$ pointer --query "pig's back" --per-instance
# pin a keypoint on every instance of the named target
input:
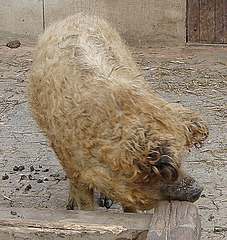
(79, 80)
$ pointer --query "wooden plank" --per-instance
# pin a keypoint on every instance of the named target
(175, 221)
(193, 21)
(47, 224)
(171, 220)
(207, 21)
(221, 21)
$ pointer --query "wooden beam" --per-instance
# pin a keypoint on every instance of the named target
(175, 221)
(207, 21)
(36, 224)
(193, 21)
(172, 221)
(220, 21)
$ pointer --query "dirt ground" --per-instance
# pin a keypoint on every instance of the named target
(195, 76)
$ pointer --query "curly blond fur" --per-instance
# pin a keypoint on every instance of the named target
(108, 129)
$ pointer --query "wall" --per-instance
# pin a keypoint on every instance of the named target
(140, 21)
(20, 19)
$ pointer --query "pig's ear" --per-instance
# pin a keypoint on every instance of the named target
(159, 162)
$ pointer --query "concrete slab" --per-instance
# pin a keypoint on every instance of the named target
(22, 20)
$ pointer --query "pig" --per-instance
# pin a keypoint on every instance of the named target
(109, 130)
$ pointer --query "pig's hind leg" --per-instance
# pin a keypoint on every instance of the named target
(128, 209)
(81, 196)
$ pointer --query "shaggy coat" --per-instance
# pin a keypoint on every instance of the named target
(108, 129)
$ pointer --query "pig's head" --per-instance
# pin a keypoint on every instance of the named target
(166, 181)
(160, 176)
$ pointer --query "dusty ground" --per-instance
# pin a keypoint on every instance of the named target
(194, 76)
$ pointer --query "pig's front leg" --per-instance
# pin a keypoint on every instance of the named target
(72, 204)
(104, 201)
(81, 196)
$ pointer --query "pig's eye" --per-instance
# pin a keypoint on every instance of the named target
(160, 162)
(163, 163)
(165, 168)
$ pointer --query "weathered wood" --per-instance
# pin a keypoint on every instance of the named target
(207, 21)
(172, 221)
(51, 224)
(193, 21)
(175, 221)
(221, 21)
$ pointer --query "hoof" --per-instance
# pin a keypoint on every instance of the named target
(105, 202)
(108, 202)
(72, 208)
(69, 208)
(101, 202)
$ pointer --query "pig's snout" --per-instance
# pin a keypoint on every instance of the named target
(185, 189)
(195, 193)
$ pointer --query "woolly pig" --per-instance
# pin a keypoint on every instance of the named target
(106, 126)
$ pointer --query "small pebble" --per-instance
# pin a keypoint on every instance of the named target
(23, 177)
(203, 195)
(13, 213)
(37, 171)
(21, 168)
(28, 187)
(13, 44)
(211, 218)
(30, 177)
(40, 166)
(5, 177)
(32, 168)
(54, 175)
(46, 170)
(16, 168)
(220, 229)
(39, 181)
(46, 179)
